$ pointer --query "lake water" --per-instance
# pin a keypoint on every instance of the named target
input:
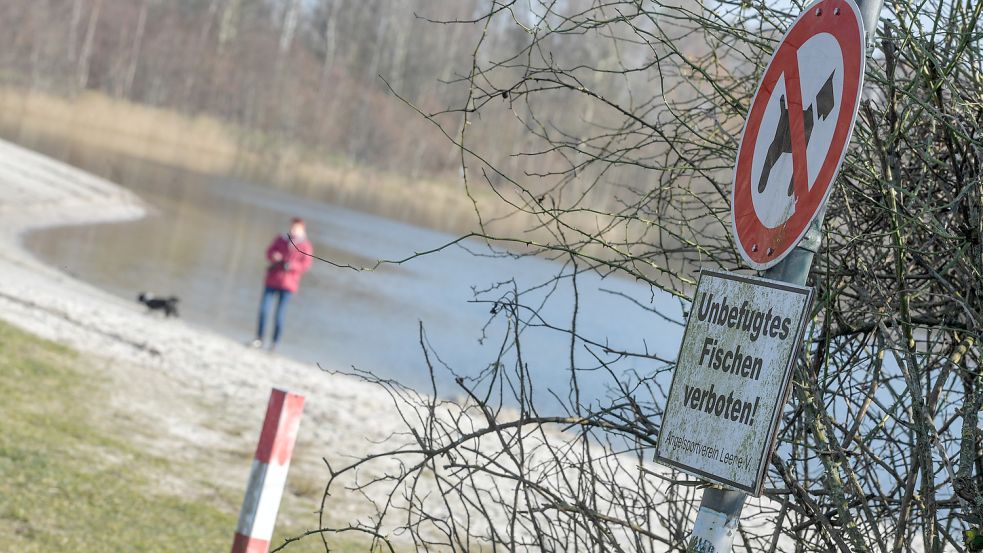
(205, 239)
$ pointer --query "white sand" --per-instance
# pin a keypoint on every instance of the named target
(177, 390)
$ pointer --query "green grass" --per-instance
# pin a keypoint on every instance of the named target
(68, 485)
(69, 481)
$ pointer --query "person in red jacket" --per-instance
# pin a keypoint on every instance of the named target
(289, 256)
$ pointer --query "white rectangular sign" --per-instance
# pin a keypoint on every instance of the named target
(732, 378)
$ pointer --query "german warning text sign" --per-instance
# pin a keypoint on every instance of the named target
(732, 378)
(797, 130)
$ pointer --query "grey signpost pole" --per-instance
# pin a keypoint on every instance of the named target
(721, 505)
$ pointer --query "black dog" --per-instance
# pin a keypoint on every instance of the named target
(167, 305)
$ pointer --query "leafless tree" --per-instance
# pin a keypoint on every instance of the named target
(90, 34)
(631, 112)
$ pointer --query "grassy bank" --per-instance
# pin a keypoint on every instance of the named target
(70, 129)
(99, 133)
(70, 480)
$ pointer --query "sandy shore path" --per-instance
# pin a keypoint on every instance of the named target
(182, 391)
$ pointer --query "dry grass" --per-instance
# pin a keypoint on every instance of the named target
(208, 145)
(201, 144)
(98, 124)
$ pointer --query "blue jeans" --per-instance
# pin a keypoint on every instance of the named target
(282, 296)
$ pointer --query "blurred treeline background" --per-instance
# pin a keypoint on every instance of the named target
(291, 92)
(303, 94)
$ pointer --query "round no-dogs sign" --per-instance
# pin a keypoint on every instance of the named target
(797, 131)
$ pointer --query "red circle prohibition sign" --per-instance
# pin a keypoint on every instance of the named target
(762, 245)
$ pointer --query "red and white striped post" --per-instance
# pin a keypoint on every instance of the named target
(269, 473)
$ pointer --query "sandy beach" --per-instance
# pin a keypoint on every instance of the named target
(178, 390)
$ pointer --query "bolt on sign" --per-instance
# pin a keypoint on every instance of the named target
(732, 378)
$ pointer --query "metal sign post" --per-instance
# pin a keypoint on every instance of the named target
(720, 508)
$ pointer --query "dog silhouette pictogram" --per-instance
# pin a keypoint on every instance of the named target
(782, 141)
